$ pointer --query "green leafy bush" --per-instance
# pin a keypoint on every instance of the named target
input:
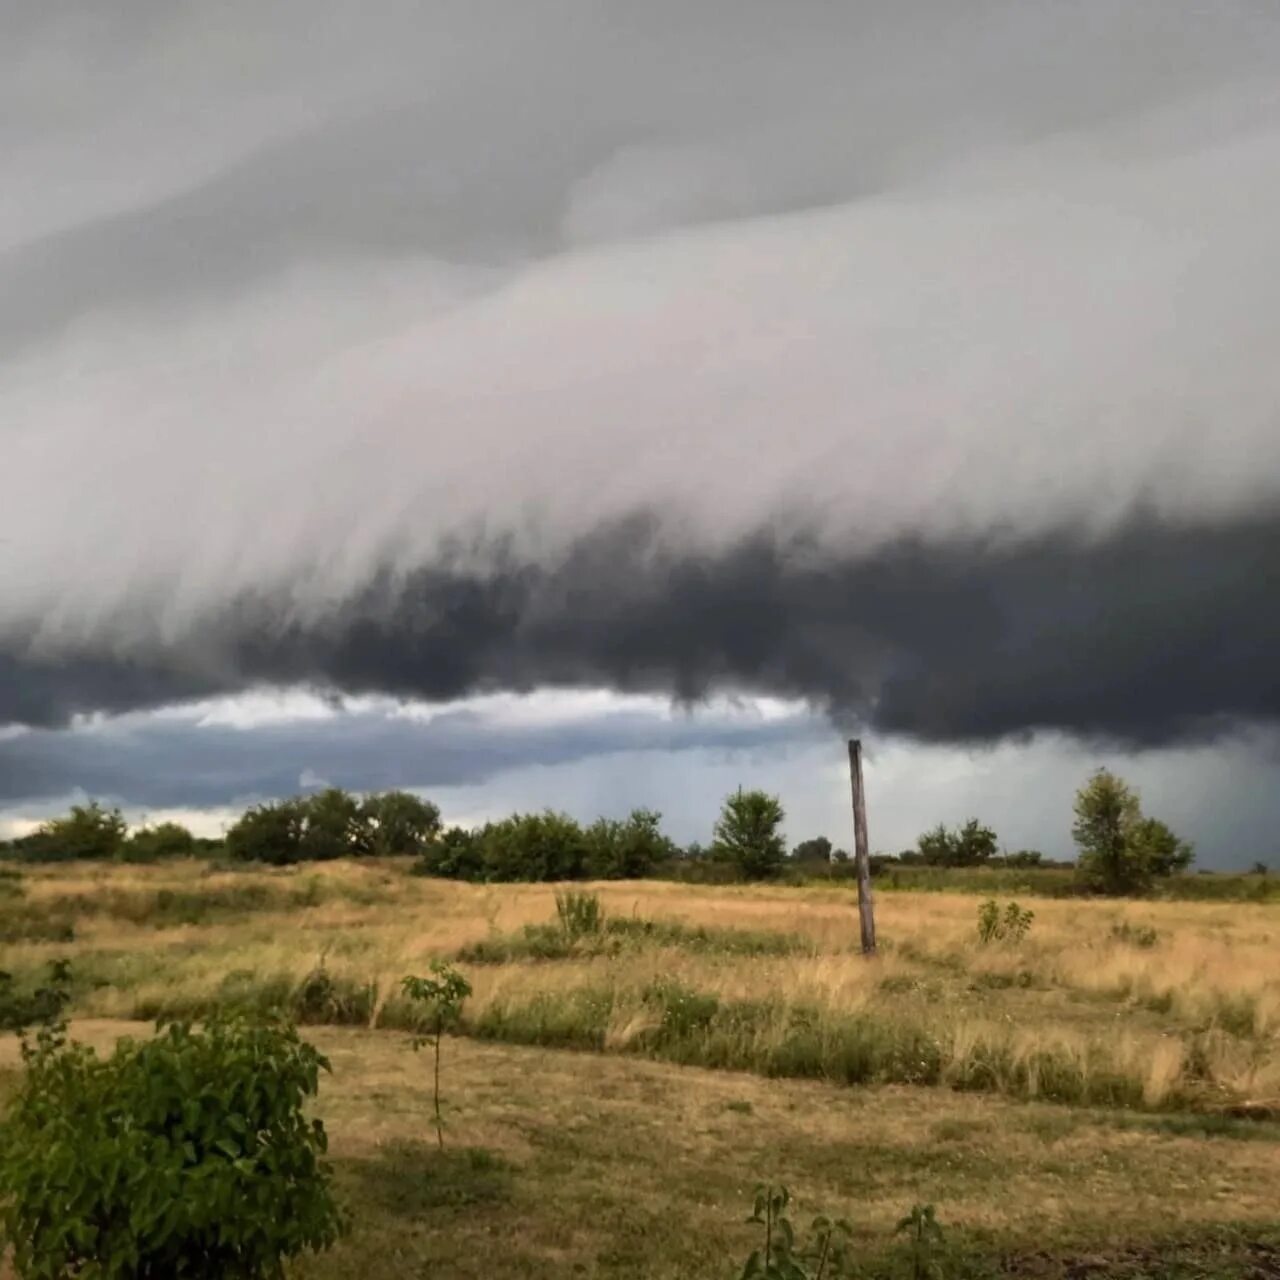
(1010, 925)
(184, 1155)
(398, 822)
(627, 850)
(20, 1010)
(534, 846)
(969, 846)
(165, 840)
(926, 1242)
(88, 831)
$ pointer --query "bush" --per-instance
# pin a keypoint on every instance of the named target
(580, 914)
(270, 833)
(456, 854)
(967, 846)
(88, 831)
(1011, 925)
(165, 840)
(536, 846)
(627, 850)
(184, 1155)
(749, 834)
(397, 822)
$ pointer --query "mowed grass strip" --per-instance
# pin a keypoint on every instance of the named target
(617, 1167)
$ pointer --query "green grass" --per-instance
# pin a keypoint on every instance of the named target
(619, 933)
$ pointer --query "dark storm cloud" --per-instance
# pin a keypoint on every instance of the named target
(172, 762)
(1152, 635)
(341, 344)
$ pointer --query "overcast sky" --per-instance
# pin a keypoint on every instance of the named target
(596, 404)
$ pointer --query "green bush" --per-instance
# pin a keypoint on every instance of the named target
(535, 846)
(456, 855)
(969, 846)
(627, 850)
(165, 840)
(399, 823)
(1010, 925)
(187, 1155)
(88, 831)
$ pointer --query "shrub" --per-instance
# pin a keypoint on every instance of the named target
(270, 833)
(456, 854)
(536, 846)
(1134, 935)
(1011, 925)
(580, 914)
(184, 1155)
(399, 823)
(165, 840)
(627, 850)
(88, 831)
(43, 1006)
(967, 846)
(749, 834)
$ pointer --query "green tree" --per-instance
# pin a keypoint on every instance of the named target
(164, 840)
(456, 854)
(270, 833)
(968, 846)
(627, 850)
(1106, 812)
(185, 1154)
(399, 822)
(749, 834)
(1121, 850)
(88, 831)
(816, 850)
(1161, 849)
(534, 846)
(334, 826)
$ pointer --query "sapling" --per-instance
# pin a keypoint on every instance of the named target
(443, 993)
(825, 1255)
(925, 1241)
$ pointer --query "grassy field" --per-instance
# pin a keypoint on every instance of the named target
(1108, 1088)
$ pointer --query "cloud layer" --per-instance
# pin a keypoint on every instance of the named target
(916, 361)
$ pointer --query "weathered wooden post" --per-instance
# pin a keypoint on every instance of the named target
(861, 854)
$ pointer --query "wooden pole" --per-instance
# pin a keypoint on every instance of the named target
(861, 854)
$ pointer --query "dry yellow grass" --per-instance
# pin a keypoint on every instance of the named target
(1073, 987)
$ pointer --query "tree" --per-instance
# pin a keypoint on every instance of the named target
(334, 826)
(748, 834)
(88, 831)
(270, 833)
(627, 850)
(1120, 849)
(535, 846)
(968, 846)
(1160, 848)
(456, 855)
(816, 850)
(164, 840)
(400, 823)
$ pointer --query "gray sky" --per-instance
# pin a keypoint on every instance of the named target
(912, 363)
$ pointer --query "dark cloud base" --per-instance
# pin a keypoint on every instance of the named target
(1154, 635)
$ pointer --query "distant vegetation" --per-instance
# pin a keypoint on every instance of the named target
(1122, 850)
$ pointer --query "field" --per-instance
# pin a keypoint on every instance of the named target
(1103, 1093)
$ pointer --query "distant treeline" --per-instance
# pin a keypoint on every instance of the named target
(1122, 850)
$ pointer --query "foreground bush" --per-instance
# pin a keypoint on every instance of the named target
(187, 1155)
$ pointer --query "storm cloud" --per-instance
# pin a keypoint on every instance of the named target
(913, 360)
